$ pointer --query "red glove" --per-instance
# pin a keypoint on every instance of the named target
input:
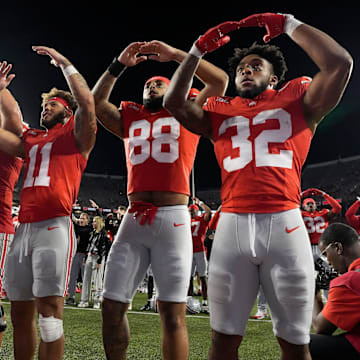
(215, 37)
(273, 23)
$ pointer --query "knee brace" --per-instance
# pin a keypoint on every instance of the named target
(51, 329)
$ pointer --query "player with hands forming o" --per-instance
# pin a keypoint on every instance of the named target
(335, 206)
(159, 156)
(214, 38)
(43, 246)
(316, 221)
(261, 140)
(160, 51)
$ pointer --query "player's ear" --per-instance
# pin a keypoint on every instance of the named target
(274, 80)
(68, 113)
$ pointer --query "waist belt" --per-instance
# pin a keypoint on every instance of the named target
(146, 210)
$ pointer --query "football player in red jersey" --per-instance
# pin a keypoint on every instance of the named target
(316, 221)
(38, 263)
(199, 226)
(10, 167)
(261, 140)
(156, 228)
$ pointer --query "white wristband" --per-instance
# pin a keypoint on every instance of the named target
(196, 52)
(291, 24)
(69, 70)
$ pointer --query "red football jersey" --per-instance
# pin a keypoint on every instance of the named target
(53, 169)
(10, 168)
(198, 230)
(160, 152)
(316, 222)
(261, 145)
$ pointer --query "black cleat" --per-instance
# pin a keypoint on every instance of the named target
(146, 307)
(70, 301)
(3, 324)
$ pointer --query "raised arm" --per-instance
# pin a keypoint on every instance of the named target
(205, 207)
(215, 80)
(334, 62)
(85, 119)
(11, 144)
(191, 115)
(106, 112)
(335, 67)
(351, 217)
(10, 116)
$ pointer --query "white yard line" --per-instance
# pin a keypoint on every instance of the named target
(140, 312)
(153, 313)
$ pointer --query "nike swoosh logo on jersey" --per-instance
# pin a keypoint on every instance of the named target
(291, 230)
(176, 225)
(52, 227)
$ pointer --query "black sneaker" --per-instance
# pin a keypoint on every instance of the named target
(146, 307)
(3, 324)
(70, 301)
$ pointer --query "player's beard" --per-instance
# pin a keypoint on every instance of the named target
(56, 119)
(154, 104)
(253, 92)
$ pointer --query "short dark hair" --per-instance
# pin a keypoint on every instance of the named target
(66, 95)
(339, 232)
(271, 53)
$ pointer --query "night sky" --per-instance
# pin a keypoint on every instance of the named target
(91, 36)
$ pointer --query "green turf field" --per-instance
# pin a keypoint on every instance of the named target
(82, 329)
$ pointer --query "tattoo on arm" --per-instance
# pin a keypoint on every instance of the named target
(81, 80)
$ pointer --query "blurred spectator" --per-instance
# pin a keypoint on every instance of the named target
(199, 226)
(150, 289)
(95, 261)
(82, 232)
(121, 210)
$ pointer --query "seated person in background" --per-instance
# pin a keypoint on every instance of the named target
(341, 246)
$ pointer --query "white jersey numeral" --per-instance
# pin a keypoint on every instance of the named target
(315, 225)
(158, 140)
(195, 226)
(260, 144)
(43, 178)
